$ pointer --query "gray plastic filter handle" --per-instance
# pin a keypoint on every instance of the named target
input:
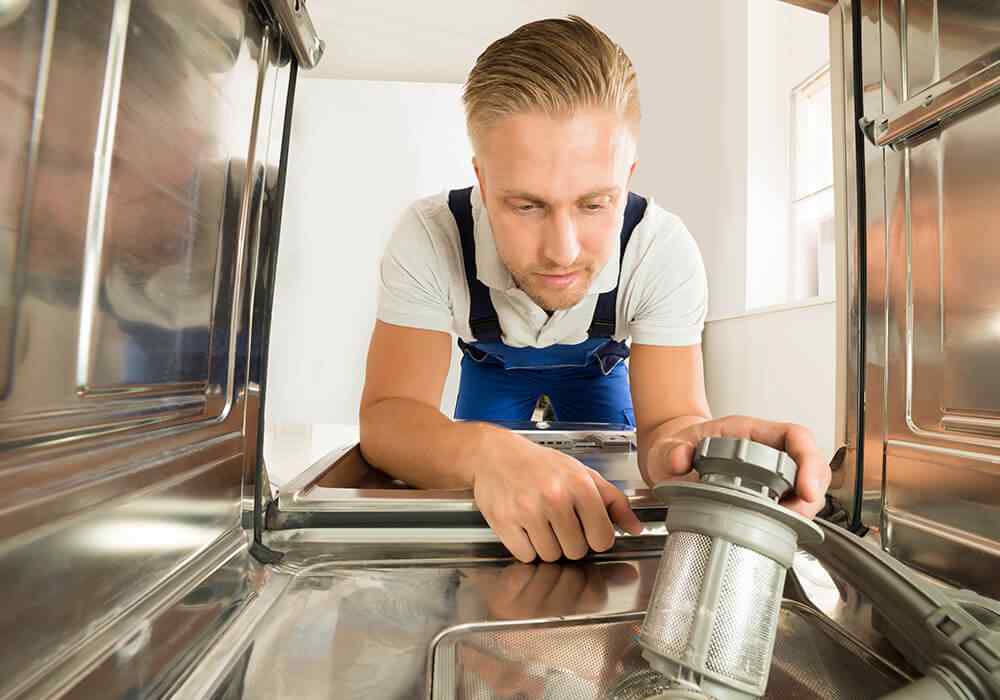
(747, 463)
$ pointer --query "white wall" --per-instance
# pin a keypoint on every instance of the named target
(434, 41)
(692, 155)
(360, 153)
(785, 45)
(714, 79)
(779, 365)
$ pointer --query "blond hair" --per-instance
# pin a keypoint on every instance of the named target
(552, 66)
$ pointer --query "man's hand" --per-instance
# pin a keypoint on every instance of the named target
(671, 456)
(544, 503)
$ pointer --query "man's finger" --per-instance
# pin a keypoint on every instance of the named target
(616, 504)
(593, 516)
(569, 531)
(543, 540)
(813, 477)
(807, 508)
(514, 539)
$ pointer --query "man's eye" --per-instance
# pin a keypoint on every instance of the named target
(526, 207)
(593, 207)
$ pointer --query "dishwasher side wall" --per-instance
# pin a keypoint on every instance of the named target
(137, 149)
(932, 399)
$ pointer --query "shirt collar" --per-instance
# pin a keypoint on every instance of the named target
(492, 272)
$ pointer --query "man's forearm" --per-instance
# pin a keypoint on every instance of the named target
(658, 438)
(418, 444)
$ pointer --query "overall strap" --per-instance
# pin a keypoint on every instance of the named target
(603, 323)
(483, 320)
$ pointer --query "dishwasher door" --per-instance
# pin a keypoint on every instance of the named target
(932, 400)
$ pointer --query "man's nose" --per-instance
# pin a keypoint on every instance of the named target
(561, 243)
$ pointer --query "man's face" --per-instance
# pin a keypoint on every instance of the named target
(555, 190)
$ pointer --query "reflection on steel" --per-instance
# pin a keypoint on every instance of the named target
(11, 11)
(398, 629)
(932, 392)
(872, 295)
(971, 86)
(972, 424)
(12, 292)
(203, 597)
(297, 27)
(845, 418)
(120, 520)
(100, 181)
(846, 429)
(168, 229)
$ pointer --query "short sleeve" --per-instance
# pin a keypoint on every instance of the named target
(413, 284)
(671, 290)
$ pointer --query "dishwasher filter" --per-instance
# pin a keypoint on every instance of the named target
(713, 613)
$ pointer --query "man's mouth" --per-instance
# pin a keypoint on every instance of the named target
(559, 280)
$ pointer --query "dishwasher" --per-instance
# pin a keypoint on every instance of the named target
(146, 553)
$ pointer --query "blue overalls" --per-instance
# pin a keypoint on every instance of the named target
(587, 382)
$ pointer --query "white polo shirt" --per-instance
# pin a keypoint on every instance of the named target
(662, 297)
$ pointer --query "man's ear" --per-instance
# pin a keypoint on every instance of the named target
(631, 171)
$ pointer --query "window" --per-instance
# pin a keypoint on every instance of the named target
(812, 232)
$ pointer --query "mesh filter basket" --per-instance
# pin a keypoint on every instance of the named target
(738, 592)
(714, 608)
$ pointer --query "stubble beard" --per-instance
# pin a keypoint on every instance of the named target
(554, 299)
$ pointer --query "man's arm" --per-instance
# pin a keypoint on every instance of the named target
(668, 393)
(671, 408)
(402, 429)
(537, 500)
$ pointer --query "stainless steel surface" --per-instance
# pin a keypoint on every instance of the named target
(136, 141)
(147, 649)
(951, 55)
(880, 189)
(298, 29)
(858, 473)
(389, 628)
(547, 659)
(969, 87)
(140, 144)
(350, 621)
(847, 430)
(11, 10)
(343, 482)
(932, 296)
(813, 659)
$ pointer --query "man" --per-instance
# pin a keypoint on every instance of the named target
(544, 270)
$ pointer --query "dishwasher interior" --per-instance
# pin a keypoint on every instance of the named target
(145, 552)
(415, 577)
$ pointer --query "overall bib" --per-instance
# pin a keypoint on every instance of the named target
(587, 382)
